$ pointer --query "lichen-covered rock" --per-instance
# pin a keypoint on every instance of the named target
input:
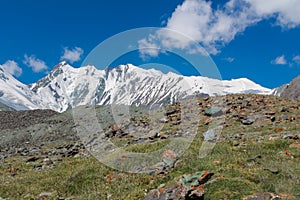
(214, 111)
(187, 187)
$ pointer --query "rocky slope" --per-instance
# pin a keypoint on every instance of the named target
(256, 155)
(292, 90)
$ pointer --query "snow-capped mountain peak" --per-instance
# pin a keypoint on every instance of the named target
(17, 95)
(66, 87)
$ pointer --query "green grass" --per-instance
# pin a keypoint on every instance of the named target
(86, 178)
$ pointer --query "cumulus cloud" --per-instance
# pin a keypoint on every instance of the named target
(12, 67)
(286, 12)
(280, 60)
(296, 59)
(214, 28)
(72, 55)
(34, 63)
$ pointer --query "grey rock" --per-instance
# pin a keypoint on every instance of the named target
(47, 161)
(254, 158)
(210, 135)
(214, 111)
(32, 159)
(153, 134)
(163, 120)
(250, 119)
(273, 170)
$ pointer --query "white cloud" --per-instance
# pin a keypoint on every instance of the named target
(286, 12)
(72, 55)
(148, 48)
(280, 60)
(214, 28)
(296, 59)
(229, 59)
(12, 67)
(34, 63)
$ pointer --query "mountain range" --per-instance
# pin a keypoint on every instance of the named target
(66, 87)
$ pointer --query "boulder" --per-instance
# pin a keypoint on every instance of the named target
(250, 119)
(188, 187)
(214, 111)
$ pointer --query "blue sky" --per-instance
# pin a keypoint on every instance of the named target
(245, 38)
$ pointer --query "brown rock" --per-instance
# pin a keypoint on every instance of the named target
(190, 187)
(295, 145)
(263, 196)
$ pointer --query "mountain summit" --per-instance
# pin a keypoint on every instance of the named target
(65, 87)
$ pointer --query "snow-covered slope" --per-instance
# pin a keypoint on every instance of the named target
(67, 87)
(17, 95)
(279, 90)
(4, 107)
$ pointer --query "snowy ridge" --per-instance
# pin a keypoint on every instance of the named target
(67, 87)
(17, 95)
(279, 90)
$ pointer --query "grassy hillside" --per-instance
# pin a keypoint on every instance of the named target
(257, 151)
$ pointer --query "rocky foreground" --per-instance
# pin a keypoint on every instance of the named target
(254, 156)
